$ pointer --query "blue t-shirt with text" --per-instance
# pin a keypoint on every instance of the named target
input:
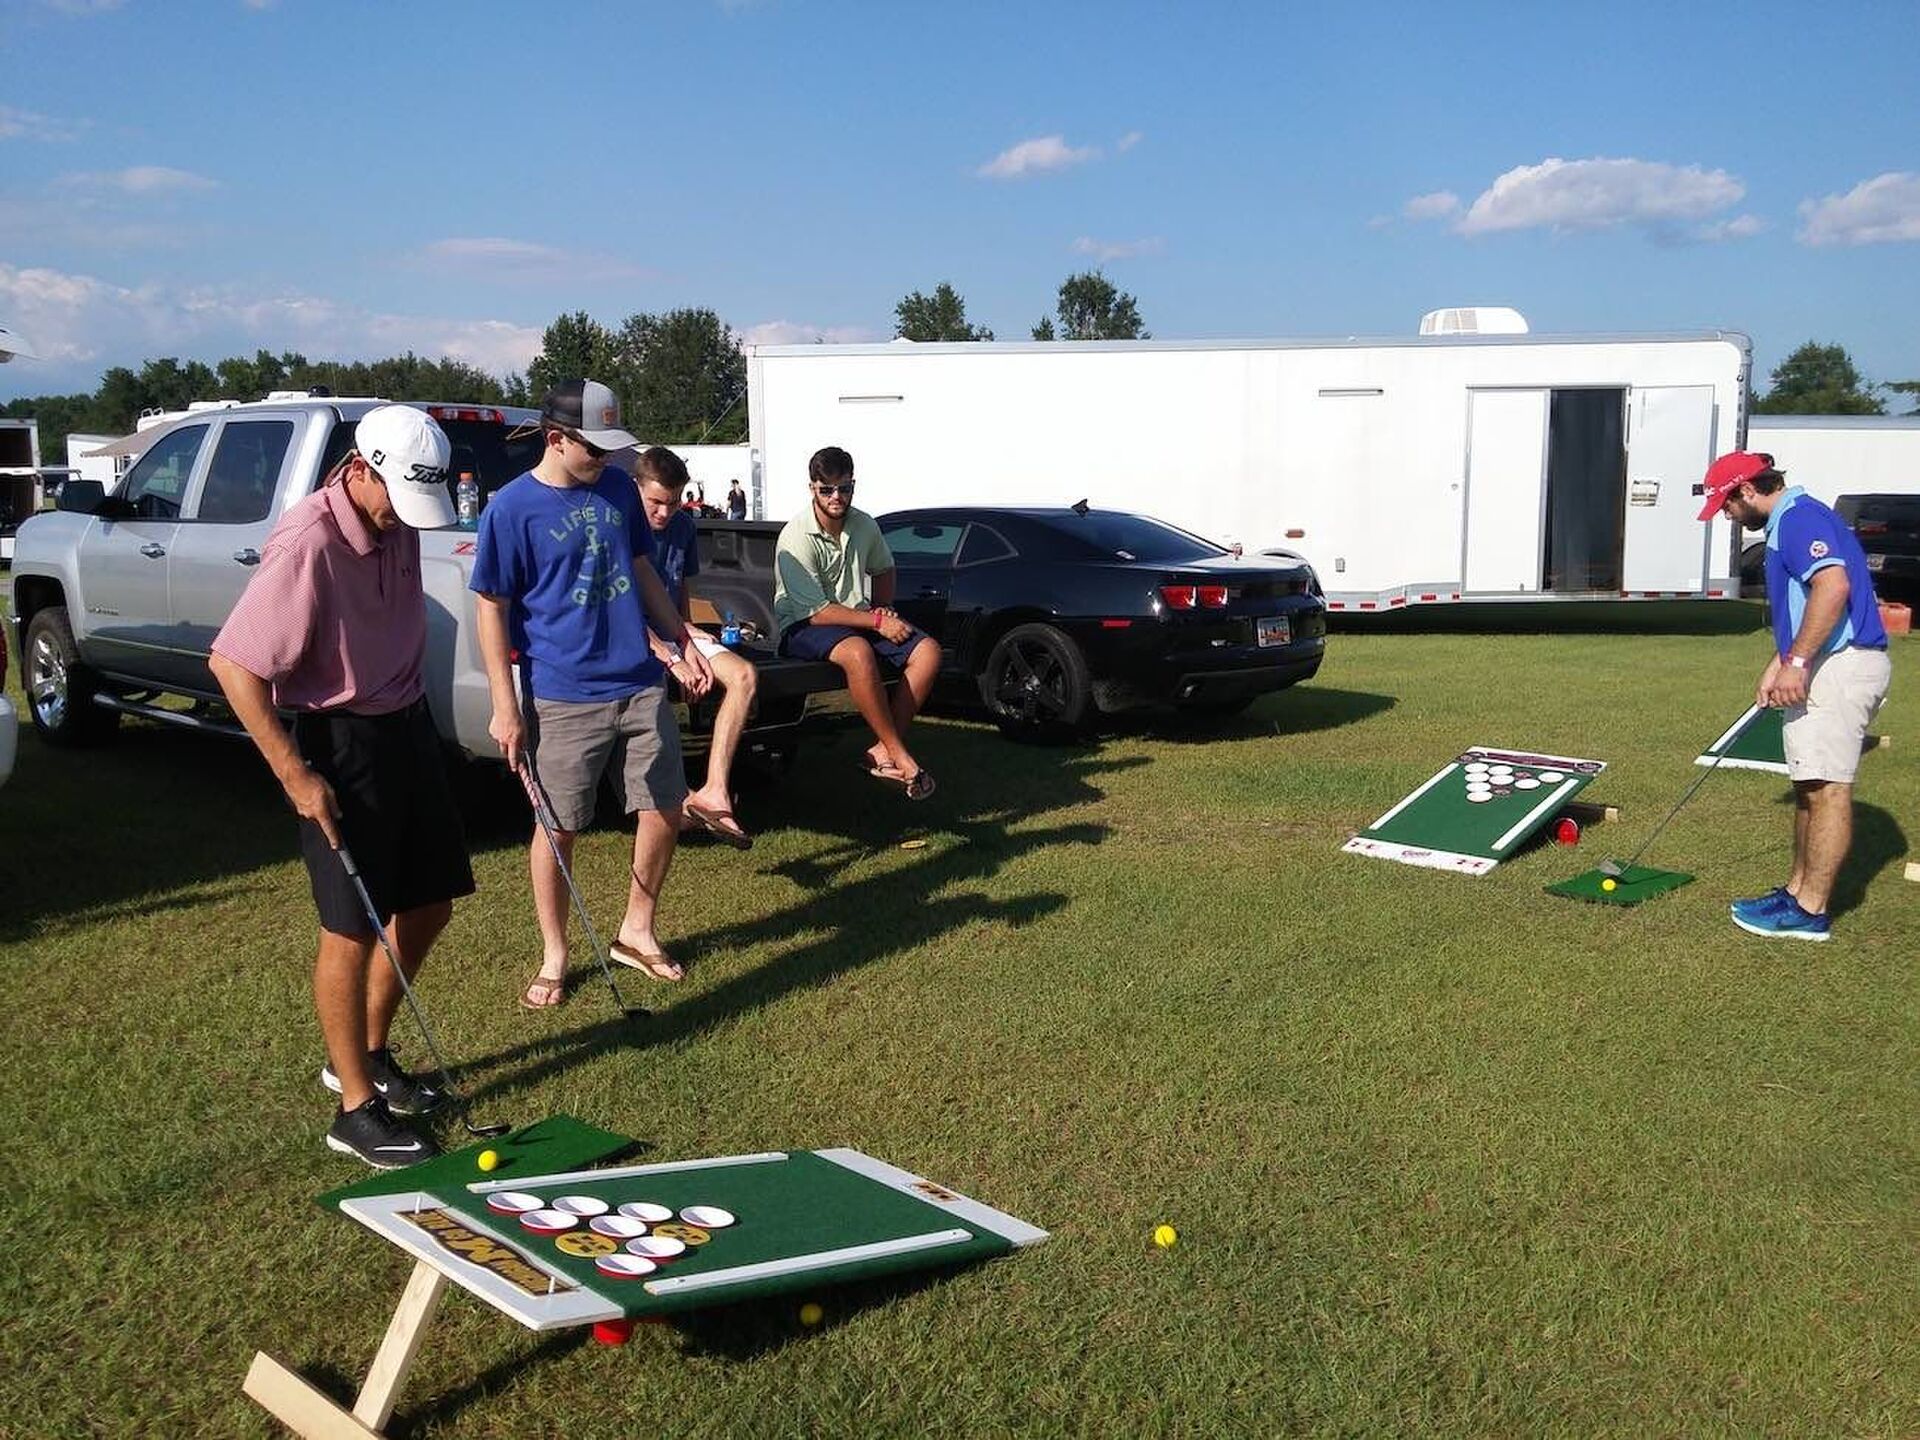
(564, 557)
(676, 551)
(1804, 537)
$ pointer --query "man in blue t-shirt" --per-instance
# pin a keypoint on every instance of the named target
(662, 477)
(564, 582)
(1829, 673)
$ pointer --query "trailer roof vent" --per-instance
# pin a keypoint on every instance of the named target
(1474, 320)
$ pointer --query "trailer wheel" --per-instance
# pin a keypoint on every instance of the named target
(59, 685)
(1036, 684)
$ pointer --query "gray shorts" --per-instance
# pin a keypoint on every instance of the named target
(1823, 737)
(634, 741)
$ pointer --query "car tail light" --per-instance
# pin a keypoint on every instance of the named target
(468, 412)
(1180, 597)
(1871, 527)
(1213, 597)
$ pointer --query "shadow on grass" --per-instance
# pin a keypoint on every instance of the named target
(1878, 842)
(1568, 617)
(1297, 710)
(850, 920)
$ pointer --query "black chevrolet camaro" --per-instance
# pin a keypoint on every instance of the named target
(1051, 615)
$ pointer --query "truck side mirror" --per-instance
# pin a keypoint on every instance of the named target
(80, 497)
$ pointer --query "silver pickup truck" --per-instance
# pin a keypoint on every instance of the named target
(117, 597)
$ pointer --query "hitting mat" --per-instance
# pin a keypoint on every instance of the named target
(1637, 883)
(1479, 810)
(546, 1147)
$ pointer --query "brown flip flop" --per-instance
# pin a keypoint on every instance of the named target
(546, 985)
(657, 965)
(721, 824)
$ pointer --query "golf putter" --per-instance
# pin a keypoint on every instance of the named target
(543, 812)
(1614, 869)
(454, 1098)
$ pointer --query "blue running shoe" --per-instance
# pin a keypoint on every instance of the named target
(1787, 921)
(1760, 904)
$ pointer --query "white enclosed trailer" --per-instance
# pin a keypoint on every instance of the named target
(1408, 470)
(1835, 455)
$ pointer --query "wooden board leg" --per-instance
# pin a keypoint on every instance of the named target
(313, 1414)
(309, 1413)
(1913, 870)
(395, 1357)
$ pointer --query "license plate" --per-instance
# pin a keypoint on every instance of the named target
(1874, 562)
(1274, 630)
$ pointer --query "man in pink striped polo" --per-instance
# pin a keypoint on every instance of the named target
(333, 627)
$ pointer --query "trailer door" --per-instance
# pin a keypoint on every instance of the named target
(1669, 446)
(1506, 473)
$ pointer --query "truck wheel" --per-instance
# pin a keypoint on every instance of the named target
(1036, 684)
(59, 685)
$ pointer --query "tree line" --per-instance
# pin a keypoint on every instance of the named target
(682, 377)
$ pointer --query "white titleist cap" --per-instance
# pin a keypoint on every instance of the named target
(410, 452)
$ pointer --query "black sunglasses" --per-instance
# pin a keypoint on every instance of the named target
(587, 445)
(846, 489)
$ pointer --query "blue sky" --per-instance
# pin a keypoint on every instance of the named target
(203, 177)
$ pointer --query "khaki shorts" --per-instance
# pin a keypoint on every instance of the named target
(634, 741)
(1824, 736)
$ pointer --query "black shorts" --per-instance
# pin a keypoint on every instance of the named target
(397, 816)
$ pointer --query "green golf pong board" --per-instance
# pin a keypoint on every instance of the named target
(1753, 742)
(804, 1219)
(1477, 811)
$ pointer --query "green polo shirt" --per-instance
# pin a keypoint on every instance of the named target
(812, 569)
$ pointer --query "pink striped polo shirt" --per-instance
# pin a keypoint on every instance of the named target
(335, 617)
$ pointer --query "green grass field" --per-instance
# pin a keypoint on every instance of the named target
(1446, 1155)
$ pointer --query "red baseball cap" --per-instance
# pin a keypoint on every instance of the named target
(1728, 474)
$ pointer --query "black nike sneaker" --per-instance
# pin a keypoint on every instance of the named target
(370, 1133)
(405, 1094)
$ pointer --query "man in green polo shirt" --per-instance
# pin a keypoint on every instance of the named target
(833, 584)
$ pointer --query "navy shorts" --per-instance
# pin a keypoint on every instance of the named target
(397, 816)
(816, 642)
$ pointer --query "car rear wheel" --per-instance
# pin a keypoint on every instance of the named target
(1036, 684)
(59, 685)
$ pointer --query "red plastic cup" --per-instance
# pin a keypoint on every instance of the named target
(613, 1332)
(1567, 832)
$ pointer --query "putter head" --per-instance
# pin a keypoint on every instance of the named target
(487, 1132)
(1612, 868)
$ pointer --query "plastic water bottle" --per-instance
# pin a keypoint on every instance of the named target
(466, 499)
(730, 632)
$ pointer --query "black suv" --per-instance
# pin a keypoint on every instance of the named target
(1889, 531)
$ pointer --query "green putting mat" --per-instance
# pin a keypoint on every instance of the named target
(1638, 883)
(545, 1147)
(1478, 810)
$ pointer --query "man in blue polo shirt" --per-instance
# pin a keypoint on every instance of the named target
(1829, 673)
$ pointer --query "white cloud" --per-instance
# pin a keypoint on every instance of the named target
(1435, 206)
(18, 124)
(504, 258)
(1740, 227)
(1127, 141)
(81, 318)
(788, 332)
(1600, 194)
(140, 180)
(1875, 212)
(1037, 156)
(1105, 250)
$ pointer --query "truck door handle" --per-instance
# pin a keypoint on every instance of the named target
(930, 592)
(153, 551)
(248, 556)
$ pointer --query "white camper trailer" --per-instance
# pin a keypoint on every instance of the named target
(1409, 470)
(1835, 455)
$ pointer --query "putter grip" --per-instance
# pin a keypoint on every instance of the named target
(346, 861)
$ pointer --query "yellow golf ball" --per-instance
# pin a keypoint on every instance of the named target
(811, 1314)
(1609, 884)
(488, 1159)
(1164, 1236)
